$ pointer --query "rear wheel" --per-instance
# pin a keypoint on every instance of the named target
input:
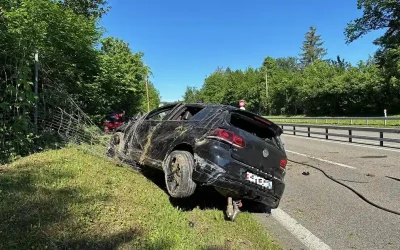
(178, 169)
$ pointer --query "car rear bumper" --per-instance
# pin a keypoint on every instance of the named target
(215, 167)
(239, 190)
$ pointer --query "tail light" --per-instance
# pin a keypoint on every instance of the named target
(283, 163)
(227, 136)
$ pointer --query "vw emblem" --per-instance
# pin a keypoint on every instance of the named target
(265, 153)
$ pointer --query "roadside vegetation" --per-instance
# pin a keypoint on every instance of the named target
(312, 84)
(66, 199)
(76, 62)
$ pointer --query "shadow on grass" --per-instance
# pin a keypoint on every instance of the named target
(38, 212)
(108, 242)
(203, 198)
(115, 241)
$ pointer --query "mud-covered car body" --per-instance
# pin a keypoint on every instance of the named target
(237, 152)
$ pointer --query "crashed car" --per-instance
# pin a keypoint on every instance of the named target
(237, 152)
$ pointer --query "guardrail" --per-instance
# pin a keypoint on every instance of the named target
(379, 131)
(317, 120)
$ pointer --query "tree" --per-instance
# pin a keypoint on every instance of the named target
(339, 63)
(120, 84)
(332, 87)
(88, 8)
(66, 34)
(192, 95)
(377, 15)
(154, 98)
(269, 65)
(312, 48)
(68, 60)
(288, 63)
(215, 86)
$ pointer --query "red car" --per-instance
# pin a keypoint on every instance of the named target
(110, 126)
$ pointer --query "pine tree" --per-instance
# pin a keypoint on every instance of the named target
(312, 48)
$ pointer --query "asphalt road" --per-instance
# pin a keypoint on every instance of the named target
(318, 213)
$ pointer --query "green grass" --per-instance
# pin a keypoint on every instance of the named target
(66, 199)
(347, 122)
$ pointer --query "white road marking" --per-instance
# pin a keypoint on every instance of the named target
(320, 159)
(344, 143)
(301, 233)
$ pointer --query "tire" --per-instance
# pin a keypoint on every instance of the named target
(116, 146)
(178, 169)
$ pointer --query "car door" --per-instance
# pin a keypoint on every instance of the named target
(146, 131)
(173, 131)
(165, 133)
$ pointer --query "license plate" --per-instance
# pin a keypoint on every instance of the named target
(258, 180)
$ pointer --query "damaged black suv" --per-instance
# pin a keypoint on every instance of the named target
(237, 152)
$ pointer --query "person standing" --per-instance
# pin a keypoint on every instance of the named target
(112, 117)
(242, 104)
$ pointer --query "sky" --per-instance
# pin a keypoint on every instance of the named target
(185, 41)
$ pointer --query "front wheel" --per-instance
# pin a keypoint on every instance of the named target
(178, 169)
(116, 145)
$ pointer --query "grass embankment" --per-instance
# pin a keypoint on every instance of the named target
(346, 122)
(67, 199)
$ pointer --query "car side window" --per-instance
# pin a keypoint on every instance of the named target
(187, 114)
(159, 114)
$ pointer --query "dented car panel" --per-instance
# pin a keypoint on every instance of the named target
(227, 145)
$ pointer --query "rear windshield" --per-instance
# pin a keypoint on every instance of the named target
(255, 127)
(252, 126)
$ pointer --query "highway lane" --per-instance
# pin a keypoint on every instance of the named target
(366, 159)
(331, 212)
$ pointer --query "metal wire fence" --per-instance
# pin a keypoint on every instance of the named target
(60, 121)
